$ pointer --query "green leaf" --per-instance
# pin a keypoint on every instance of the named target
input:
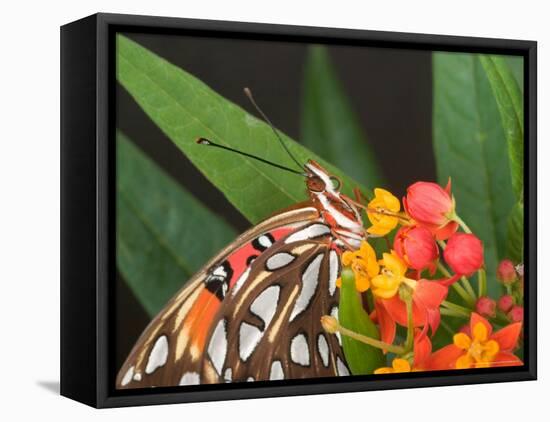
(329, 125)
(516, 66)
(164, 235)
(470, 148)
(361, 358)
(510, 105)
(186, 109)
(515, 233)
(504, 75)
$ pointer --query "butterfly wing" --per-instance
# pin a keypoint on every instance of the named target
(174, 342)
(270, 329)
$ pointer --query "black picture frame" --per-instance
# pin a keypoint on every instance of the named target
(88, 209)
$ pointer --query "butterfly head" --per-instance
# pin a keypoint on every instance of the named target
(318, 180)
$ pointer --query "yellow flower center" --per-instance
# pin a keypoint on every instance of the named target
(386, 284)
(382, 212)
(399, 365)
(479, 350)
(363, 264)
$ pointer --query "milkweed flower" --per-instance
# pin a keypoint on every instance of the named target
(505, 303)
(464, 253)
(432, 207)
(515, 314)
(382, 211)
(506, 272)
(480, 349)
(416, 246)
(486, 307)
(391, 309)
(421, 353)
(364, 265)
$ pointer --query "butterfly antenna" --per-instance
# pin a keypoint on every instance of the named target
(248, 93)
(204, 141)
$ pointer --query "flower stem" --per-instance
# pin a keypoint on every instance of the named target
(409, 342)
(462, 224)
(451, 313)
(469, 288)
(371, 341)
(457, 308)
(482, 282)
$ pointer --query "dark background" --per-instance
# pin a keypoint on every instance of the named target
(390, 90)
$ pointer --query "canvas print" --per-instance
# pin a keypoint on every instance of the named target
(291, 211)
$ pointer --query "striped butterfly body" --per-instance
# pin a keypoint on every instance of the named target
(253, 312)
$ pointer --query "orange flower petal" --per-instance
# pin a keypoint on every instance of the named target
(445, 358)
(506, 359)
(464, 362)
(462, 341)
(507, 337)
(387, 324)
(475, 318)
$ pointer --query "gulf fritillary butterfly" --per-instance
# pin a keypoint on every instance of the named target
(253, 312)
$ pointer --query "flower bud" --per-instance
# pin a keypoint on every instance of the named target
(505, 303)
(330, 324)
(506, 272)
(466, 330)
(464, 253)
(486, 306)
(516, 314)
(416, 246)
(432, 207)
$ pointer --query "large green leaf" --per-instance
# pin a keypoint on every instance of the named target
(164, 235)
(329, 125)
(503, 74)
(361, 358)
(470, 147)
(510, 105)
(185, 109)
(515, 233)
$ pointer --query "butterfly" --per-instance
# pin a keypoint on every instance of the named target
(253, 311)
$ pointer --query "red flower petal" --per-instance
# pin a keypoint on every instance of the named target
(507, 337)
(387, 324)
(430, 294)
(506, 359)
(446, 231)
(397, 310)
(444, 358)
(422, 349)
(475, 318)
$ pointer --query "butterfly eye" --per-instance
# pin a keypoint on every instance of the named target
(315, 184)
(336, 182)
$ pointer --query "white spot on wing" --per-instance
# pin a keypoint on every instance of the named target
(334, 313)
(249, 337)
(343, 370)
(227, 376)
(310, 232)
(276, 372)
(158, 355)
(322, 346)
(250, 379)
(137, 377)
(265, 305)
(265, 241)
(190, 378)
(299, 350)
(217, 349)
(310, 279)
(279, 260)
(333, 271)
(127, 376)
